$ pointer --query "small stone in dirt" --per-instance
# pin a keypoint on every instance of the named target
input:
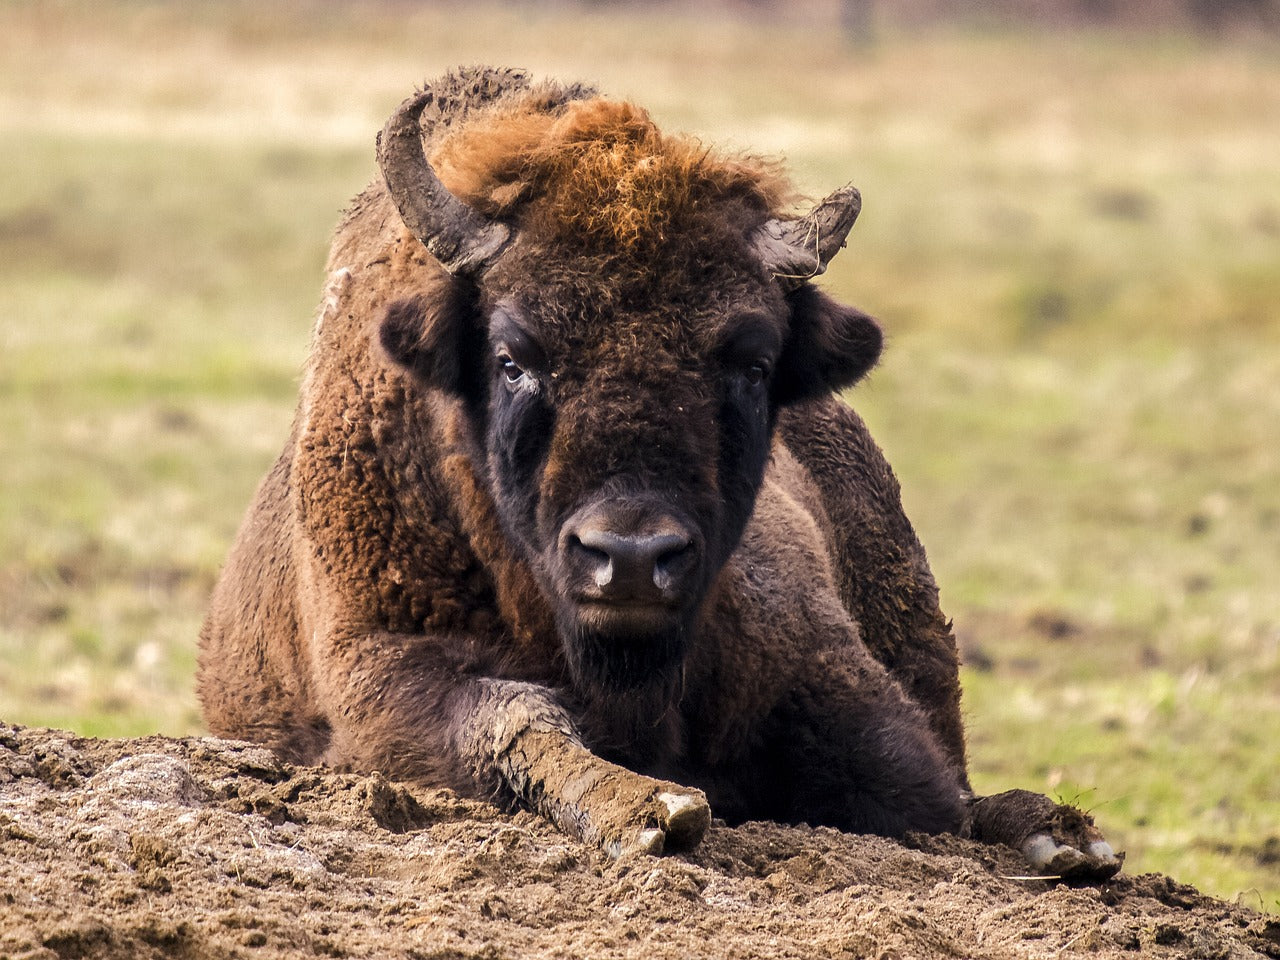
(148, 777)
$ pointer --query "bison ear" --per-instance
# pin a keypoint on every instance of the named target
(434, 336)
(830, 347)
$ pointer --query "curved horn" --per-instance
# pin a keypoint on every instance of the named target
(464, 242)
(798, 250)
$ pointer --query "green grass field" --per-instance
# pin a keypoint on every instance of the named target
(1073, 242)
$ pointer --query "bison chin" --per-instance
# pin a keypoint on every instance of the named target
(624, 653)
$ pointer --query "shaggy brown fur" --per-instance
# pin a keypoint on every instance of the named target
(421, 585)
(601, 171)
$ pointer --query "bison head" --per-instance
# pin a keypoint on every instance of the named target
(625, 316)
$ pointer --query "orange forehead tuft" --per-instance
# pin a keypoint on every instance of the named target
(599, 170)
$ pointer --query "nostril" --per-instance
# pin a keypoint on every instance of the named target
(673, 560)
(598, 561)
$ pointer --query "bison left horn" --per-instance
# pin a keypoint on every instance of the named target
(464, 241)
(798, 250)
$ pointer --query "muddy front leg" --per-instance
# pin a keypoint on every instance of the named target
(518, 730)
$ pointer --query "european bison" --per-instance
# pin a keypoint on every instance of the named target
(570, 515)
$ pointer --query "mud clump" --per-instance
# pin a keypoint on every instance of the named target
(198, 848)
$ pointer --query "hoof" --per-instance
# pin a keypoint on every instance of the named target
(682, 820)
(1095, 863)
(1057, 840)
(651, 841)
(687, 818)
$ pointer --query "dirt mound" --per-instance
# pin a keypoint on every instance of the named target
(208, 848)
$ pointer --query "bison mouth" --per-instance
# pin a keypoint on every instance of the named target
(625, 619)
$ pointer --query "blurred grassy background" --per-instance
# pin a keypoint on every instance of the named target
(1073, 240)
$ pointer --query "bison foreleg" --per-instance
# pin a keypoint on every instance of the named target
(519, 730)
(1057, 840)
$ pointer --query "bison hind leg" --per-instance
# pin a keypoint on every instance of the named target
(1057, 840)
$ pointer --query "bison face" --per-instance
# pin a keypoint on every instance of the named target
(624, 316)
(624, 435)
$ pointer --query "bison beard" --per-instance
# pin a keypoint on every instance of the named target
(612, 662)
(570, 340)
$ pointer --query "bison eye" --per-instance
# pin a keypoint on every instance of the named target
(510, 369)
(756, 372)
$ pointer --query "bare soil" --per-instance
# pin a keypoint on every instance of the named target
(207, 848)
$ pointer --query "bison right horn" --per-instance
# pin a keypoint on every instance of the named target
(798, 250)
(465, 242)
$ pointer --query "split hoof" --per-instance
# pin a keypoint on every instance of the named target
(686, 821)
(681, 822)
(1057, 840)
(651, 841)
(1097, 862)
